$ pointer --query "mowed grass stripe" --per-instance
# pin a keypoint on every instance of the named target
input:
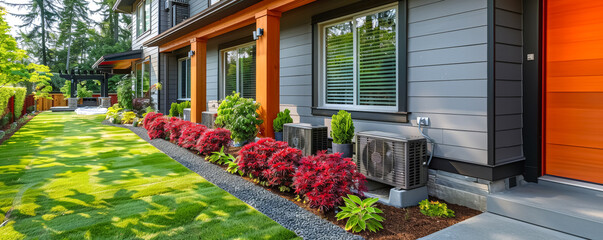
(66, 176)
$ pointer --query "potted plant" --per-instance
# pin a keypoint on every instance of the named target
(280, 120)
(342, 132)
(240, 116)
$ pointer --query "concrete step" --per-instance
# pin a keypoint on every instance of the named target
(572, 211)
(491, 226)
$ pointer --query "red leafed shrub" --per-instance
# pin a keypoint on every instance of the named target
(174, 128)
(253, 157)
(189, 135)
(281, 167)
(325, 179)
(157, 128)
(212, 141)
(146, 122)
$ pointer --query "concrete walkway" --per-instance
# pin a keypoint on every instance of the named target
(491, 226)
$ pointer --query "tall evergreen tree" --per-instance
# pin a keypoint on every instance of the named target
(41, 16)
(73, 17)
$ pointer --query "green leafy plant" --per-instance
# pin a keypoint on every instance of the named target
(125, 93)
(435, 209)
(174, 110)
(360, 214)
(128, 117)
(82, 90)
(280, 120)
(5, 94)
(114, 113)
(66, 89)
(233, 168)
(181, 106)
(220, 157)
(20, 94)
(240, 116)
(342, 128)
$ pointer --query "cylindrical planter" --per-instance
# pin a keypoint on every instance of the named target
(345, 149)
(278, 136)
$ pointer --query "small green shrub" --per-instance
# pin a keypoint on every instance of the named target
(240, 116)
(82, 90)
(360, 214)
(280, 120)
(435, 209)
(128, 117)
(125, 93)
(174, 110)
(31, 108)
(2, 133)
(220, 157)
(114, 114)
(66, 89)
(20, 94)
(342, 128)
(182, 106)
(5, 94)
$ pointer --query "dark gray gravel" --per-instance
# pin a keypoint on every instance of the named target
(305, 224)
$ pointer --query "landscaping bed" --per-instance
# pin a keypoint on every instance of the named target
(25, 120)
(405, 223)
(400, 223)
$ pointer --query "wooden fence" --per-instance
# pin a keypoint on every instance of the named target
(59, 100)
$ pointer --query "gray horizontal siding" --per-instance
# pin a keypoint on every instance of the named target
(137, 41)
(447, 75)
(197, 6)
(508, 80)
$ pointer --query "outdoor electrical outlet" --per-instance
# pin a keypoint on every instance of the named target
(423, 121)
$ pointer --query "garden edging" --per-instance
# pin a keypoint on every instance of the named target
(305, 224)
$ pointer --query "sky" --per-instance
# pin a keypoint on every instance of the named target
(14, 21)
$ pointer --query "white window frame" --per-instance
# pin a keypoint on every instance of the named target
(180, 60)
(140, 83)
(322, 59)
(142, 20)
(223, 65)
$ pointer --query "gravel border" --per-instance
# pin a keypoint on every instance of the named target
(305, 224)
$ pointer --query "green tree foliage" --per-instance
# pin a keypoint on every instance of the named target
(14, 69)
(41, 16)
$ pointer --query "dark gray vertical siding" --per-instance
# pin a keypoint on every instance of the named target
(508, 80)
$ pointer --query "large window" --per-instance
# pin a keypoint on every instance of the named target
(143, 78)
(184, 78)
(143, 17)
(239, 70)
(359, 56)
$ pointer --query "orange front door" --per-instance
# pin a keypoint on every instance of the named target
(574, 89)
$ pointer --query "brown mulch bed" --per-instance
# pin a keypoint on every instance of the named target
(400, 223)
(7, 136)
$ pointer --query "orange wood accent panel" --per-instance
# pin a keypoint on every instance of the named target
(267, 69)
(198, 78)
(574, 89)
(235, 21)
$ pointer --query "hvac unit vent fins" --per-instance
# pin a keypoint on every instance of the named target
(209, 119)
(306, 137)
(392, 159)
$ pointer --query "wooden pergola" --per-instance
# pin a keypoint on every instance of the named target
(77, 76)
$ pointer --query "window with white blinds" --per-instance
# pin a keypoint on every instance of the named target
(360, 61)
(239, 70)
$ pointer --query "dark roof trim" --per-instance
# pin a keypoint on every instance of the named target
(134, 54)
(124, 6)
(199, 20)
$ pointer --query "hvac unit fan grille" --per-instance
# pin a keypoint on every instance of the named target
(395, 161)
(305, 137)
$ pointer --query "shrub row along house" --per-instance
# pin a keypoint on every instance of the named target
(499, 80)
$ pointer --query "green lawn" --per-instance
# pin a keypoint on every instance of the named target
(67, 176)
